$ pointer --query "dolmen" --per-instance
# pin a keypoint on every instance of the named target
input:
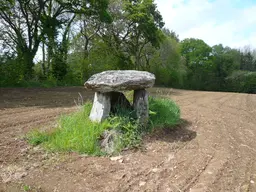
(108, 87)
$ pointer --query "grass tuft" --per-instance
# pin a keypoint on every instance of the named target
(75, 132)
(163, 112)
(36, 137)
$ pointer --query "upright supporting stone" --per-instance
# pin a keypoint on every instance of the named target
(140, 104)
(101, 106)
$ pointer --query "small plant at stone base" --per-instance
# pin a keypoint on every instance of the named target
(121, 130)
(26, 188)
(129, 131)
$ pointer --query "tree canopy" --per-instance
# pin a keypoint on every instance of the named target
(59, 42)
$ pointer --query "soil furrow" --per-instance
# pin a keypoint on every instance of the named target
(213, 150)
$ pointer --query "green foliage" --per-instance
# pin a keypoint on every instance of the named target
(241, 81)
(80, 38)
(248, 63)
(128, 127)
(164, 112)
(100, 58)
(226, 60)
(44, 22)
(136, 24)
(26, 188)
(36, 137)
(129, 96)
(199, 62)
(167, 65)
(144, 13)
(21, 36)
(59, 67)
(10, 71)
(76, 132)
(196, 52)
(171, 34)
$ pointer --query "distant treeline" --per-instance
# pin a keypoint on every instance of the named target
(75, 39)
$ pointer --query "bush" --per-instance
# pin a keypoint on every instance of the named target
(75, 132)
(242, 81)
(10, 72)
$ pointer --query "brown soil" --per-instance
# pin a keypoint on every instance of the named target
(214, 149)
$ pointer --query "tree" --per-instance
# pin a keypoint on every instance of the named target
(226, 60)
(20, 22)
(196, 51)
(247, 60)
(166, 63)
(171, 34)
(136, 23)
(199, 62)
(57, 20)
(47, 21)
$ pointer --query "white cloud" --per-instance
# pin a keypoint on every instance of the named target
(215, 22)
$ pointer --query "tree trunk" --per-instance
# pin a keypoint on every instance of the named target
(27, 61)
(137, 61)
(43, 62)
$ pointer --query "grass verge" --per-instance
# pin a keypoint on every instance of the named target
(75, 132)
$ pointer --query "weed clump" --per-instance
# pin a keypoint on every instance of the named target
(76, 133)
(163, 112)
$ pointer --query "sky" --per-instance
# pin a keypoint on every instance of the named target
(228, 22)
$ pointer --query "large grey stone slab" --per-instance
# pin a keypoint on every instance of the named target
(120, 80)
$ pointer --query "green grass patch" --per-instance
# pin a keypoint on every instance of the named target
(163, 112)
(75, 132)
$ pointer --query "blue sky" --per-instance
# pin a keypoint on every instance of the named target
(230, 22)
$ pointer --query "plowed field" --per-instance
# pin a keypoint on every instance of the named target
(214, 149)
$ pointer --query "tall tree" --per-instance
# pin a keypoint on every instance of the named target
(247, 60)
(20, 22)
(199, 62)
(57, 20)
(226, 60)
(167, 64)
(136, 23)
(171, 34)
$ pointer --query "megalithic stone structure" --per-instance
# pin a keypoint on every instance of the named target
(108, 85)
